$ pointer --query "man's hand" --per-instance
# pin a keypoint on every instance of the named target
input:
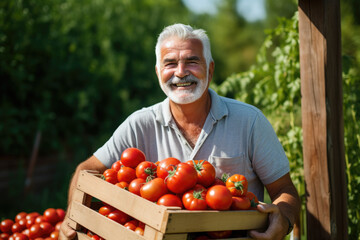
(278, 225)
(66, 232)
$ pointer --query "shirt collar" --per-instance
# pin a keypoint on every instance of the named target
(218, 109)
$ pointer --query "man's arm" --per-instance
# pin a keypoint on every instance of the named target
(285, 207)
(91, 163)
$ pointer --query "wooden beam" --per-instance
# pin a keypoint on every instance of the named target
(322, 118)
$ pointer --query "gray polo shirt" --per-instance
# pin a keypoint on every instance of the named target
(236, 138)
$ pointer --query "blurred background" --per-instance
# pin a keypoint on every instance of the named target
(72, 70)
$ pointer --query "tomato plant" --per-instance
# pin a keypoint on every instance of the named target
(110, 176)
(131, 157)
(170, 200)
(181, 178)
(205, 171)
(153, 189)
(126, 174)
(146, 170)
(165, 165)
(218, 197)
(237, 184)
(135, 185)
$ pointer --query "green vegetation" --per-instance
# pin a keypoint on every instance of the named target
(74, 69)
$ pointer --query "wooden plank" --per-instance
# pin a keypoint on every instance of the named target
(321, 89)
(202, 221)
(149, 213)
(99, 224)
(82, 236)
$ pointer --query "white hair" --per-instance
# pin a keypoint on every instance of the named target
(184, 32)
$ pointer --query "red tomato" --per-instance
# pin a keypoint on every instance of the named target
(106, 210)
(135, 185)
(6, 225)
(253, 200)
(165, 165)
(146, 169)
(131, 157)
(40, 219)
(139, 231)
(126, 174)
(26, 232)
(219, 234)
(61, 213)
(54, 234)
(51, 216)
(218, 181)
(153, 189)
(22, 222)
(17, 228)
(240, 203)
(119, 216)
(58, 225)
(47, 228)
(123, 185)
(35, 231)
(170, 200)
(205, 171)
(32, 215)
(202, 237)
(4, 236)
(182, 178)
(116, 165)
(20, 215)
(237, 184)
(194, 199)
(110, 176)
(218, 197)
(132, 224)
(18, 236)
(30, 222)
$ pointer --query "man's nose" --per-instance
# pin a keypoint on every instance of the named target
(181, 70)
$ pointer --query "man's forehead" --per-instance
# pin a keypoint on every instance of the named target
(184, 47)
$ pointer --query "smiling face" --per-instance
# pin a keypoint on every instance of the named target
(182, 73)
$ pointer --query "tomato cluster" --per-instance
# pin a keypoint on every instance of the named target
(190, 185)
(28, 226)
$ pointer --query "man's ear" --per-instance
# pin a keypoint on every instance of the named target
(157, 72)
(211, 70)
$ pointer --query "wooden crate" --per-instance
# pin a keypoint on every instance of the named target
(161, 223)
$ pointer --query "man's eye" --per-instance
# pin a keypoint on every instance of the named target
(170, 64)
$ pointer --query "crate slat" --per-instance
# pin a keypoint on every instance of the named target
(99, 224)
(201, 221)
(148, 212)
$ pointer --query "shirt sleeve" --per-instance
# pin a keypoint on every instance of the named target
(122, 138)
(266, 152)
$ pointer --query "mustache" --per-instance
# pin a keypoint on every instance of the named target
(176, 80)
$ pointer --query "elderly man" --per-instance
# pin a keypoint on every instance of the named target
(196, 123)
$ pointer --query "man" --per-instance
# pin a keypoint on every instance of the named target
(195, 123)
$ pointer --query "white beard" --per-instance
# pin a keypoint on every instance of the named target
(184, 95)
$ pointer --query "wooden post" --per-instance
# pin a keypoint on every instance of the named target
(322, 118)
